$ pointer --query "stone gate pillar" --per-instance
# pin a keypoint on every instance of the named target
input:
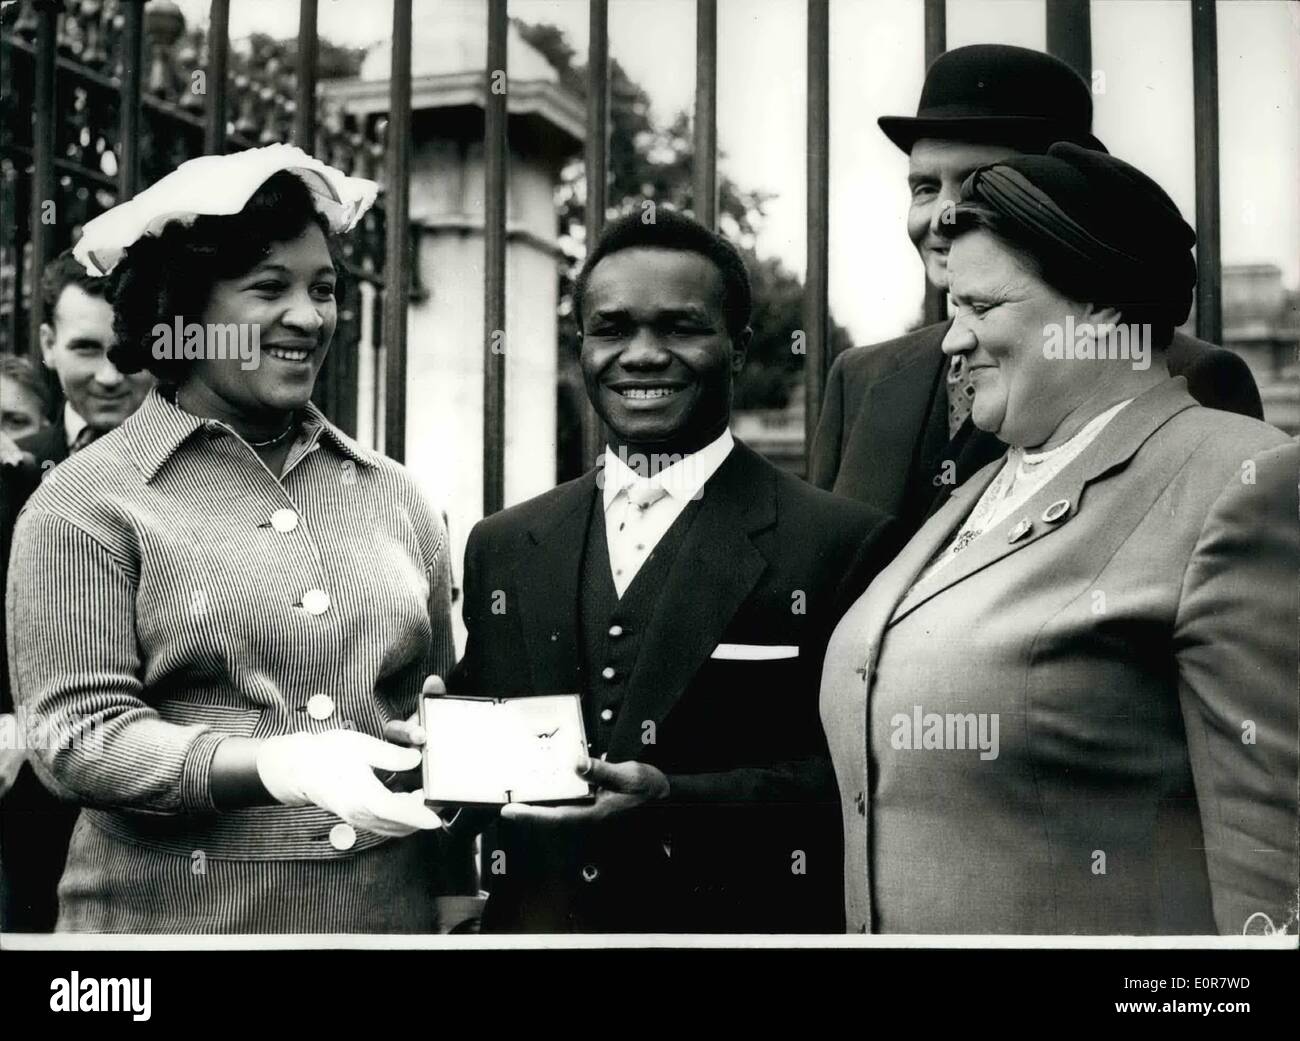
(444, 410)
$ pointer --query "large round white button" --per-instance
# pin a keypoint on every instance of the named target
(607, 714)
(343, 836)
(320, 706)
(608, 672)
(284, 521)
(316, 601)
(616, 630)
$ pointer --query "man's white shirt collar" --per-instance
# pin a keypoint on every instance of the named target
(73, 424)
(683, 479)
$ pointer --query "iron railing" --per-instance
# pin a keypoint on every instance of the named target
(84, 81)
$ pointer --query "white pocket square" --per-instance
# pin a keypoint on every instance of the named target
(754, 651)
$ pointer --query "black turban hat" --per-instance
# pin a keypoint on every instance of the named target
(1101, 230)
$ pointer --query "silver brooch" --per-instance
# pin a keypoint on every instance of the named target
(1056, 511)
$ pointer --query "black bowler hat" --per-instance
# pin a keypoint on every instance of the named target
(993, 92)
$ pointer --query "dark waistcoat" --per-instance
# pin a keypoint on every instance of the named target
(610, 627)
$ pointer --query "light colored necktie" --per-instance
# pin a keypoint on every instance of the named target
(631, 545)
(644, 494)
(961, 392)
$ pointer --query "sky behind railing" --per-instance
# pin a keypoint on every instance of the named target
(1143, 109)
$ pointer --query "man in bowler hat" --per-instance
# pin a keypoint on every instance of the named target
(895, 429)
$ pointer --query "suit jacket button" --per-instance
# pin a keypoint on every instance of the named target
(615, 630)
(343, 836)
(606, 714)
(590, 872)
(608, 672)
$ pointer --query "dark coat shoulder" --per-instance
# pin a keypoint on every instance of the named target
(540, 510)
(911, 363)
(821, 509)
(1216, 377)
(860, 366)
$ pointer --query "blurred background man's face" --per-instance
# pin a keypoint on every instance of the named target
(20, 409)
(75, 345)
(936, 170)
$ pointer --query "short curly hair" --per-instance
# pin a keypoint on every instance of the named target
(171, 274)
(670, 229)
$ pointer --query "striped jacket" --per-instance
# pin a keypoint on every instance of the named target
(166, 591)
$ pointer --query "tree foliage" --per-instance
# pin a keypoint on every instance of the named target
(651, 161)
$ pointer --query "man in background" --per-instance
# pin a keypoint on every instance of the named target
(895, 429)
(74, 345)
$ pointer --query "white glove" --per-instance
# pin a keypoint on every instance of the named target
(332, 770)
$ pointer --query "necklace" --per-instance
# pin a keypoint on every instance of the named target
(293, 421)
(278, 437)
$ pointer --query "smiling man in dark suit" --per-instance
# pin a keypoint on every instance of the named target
(895, 428)
(683, 587)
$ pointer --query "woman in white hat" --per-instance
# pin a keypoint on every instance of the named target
(215, 609)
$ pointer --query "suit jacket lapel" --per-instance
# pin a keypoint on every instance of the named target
(1113, 447)
(997, 542)
(934, 445)
(897, 415)
(547, 578)
(716, 567)
(892, 584)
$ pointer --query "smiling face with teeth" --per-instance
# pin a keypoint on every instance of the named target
(289, 297)
(656, 356)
